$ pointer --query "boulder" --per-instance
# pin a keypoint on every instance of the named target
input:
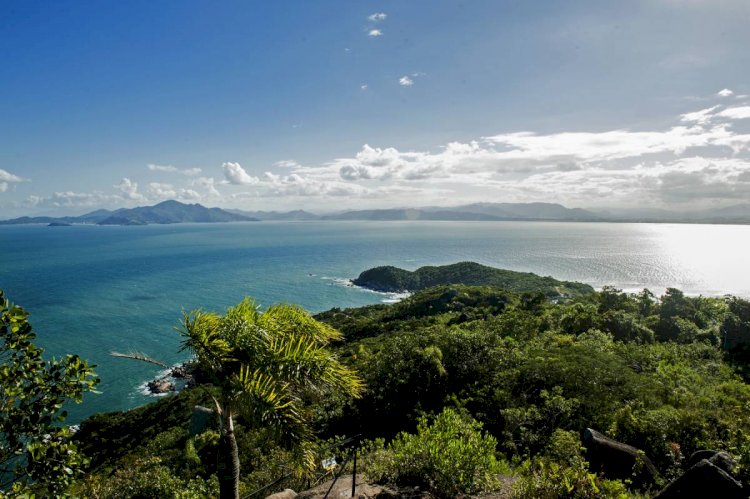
(618, 461)
(284, 494)
(702, 480)
(718, 458)
(159, 386)
(199, 420)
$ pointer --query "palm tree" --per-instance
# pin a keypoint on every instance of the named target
(263, 363)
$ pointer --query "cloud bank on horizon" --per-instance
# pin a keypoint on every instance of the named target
(584, 103)
(702, 159)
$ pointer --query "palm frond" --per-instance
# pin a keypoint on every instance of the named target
(295, 321)
(302, 361)
(202, 334)
(269, 402)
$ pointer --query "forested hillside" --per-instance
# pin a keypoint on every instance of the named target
(524, 375)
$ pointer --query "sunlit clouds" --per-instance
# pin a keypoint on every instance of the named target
(702, 159)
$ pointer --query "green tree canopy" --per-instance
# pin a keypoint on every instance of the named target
(36, 454)
(263, 364)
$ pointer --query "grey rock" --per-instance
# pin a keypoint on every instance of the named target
(718, 458)
(159, 386)
(618, 461)
(703, 480)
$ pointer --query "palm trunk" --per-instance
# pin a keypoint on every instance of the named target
(229, 461)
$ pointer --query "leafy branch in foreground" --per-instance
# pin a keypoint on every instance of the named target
(36, 454)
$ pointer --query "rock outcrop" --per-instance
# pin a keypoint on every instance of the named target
(702, 480)
(159, 386)
(618, 461)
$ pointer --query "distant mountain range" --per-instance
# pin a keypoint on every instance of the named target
(169, 212)
(476, 211)
(277, 215)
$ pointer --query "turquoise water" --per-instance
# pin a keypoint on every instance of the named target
(92, 290)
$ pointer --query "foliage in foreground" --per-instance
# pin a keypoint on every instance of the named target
(449, 456)
(659, 373)
(263, 365)
(36, 453)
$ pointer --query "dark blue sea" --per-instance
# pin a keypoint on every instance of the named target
(92, 290)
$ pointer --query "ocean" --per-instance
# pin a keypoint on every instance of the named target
(92, 290)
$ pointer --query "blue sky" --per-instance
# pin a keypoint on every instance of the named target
(326, 105)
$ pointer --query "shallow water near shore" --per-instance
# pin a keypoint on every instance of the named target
(92, 290)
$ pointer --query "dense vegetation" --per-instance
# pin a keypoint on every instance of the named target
(36, 454)
(473, 389)
(394, 279)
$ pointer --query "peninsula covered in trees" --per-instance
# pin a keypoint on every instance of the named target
(393, 279)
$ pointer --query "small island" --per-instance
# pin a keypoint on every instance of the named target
(389, 279)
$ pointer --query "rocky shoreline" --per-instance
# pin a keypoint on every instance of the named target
(179, 377)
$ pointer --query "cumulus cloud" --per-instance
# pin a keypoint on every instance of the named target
(700, 117)
(190, 172)
(235, 174)
(158, 191)
(71, 199)
(374, 33)
(377, 17)
(701, 159)
(736, 113)
(405, 81)
(129, 189)
(207, 183)
(7, 178)
(725, 93)
(286, 163)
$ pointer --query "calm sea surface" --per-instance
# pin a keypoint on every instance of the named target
(92, 290)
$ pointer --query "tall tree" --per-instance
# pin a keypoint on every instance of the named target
(36, 454)
(264, 363)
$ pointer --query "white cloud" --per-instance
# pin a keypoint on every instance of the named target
(607, 146)
(162, 168)
(405, 81)
(129, 189)
(736, 113)
(374, 33)
(208, 183)
(286, 163)
(190, 172)
(71, 199)
(7, 178)
(699, 160)
(377, 17)
(235, 174)
(725, 93)
(157, 190)
(700, 117)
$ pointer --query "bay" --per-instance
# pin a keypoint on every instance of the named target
(92, 290)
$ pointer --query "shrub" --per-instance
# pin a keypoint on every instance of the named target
(544, 478)
(450, 456)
